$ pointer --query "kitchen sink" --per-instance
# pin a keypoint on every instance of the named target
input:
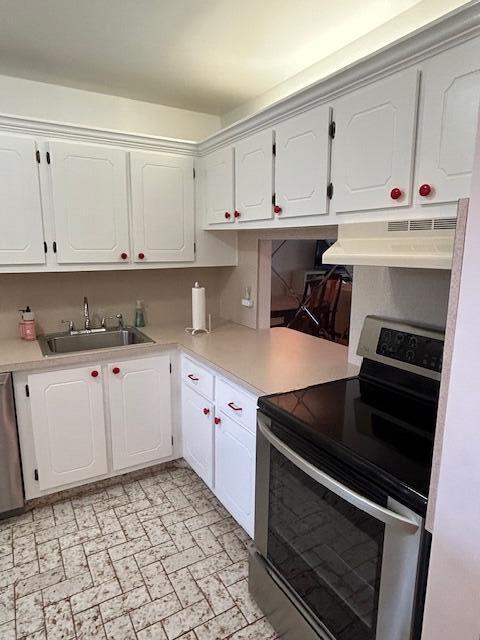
(58, 343)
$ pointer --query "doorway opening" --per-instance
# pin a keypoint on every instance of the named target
(306, 295)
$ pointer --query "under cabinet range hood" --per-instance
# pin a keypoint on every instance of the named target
(426, 244)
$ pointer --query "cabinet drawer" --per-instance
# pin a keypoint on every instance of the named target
(197, 377)
(237, 404)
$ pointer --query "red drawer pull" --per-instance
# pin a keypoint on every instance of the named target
(124, 255)
(425, 190)
(192, 377)
(94, 374)
(232, 406)
(116, 370)
(217, 420)
(277, 209)
(206, 411)
(396, 193)
(141, 256)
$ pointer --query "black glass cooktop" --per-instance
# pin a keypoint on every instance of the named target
(377, 429)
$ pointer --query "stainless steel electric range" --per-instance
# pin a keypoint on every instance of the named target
(343, 470)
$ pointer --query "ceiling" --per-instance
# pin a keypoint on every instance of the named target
(203, 55)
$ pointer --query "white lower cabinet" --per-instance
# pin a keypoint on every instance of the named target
(68, 425)
(235, 470)
(139, 396)
(198, 433)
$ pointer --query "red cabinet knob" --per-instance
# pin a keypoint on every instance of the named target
(395, 193)
(236, 214)
(94, 373)
(116, 370)
(277, 209)
(124, 255)
(217, 420)
(206, 411)
(425, 190)
(141, 256)
(228, 215)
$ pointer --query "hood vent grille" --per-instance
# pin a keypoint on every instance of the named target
(427, 224)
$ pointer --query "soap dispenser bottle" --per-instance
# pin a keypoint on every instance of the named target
(26, 325)
(139, 314)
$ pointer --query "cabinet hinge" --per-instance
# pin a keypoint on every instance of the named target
(45, 247)
(54, 247)
(48, 157)
(274, 149)
(273, 198)
(194, 174)
(172, 441)
(35, 474)
(332, 127)
(330, 191)
(27, 390)
(194, 248)
(170, 367)
(37, 156)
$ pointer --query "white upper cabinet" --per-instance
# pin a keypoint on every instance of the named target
(451, 98)
(302, 164)
(89, 191)
(68, 425)
(21, 237)
(140, 410)
(254, 177)
(372, 153)
(219, 187)
(162, 207)
(198, 433)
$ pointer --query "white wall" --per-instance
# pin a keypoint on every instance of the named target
(416, 295)
(453, 596)
(44, 101)
(419, 15)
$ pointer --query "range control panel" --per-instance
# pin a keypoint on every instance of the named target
(411, 348)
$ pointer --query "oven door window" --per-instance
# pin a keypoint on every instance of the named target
(326, 549)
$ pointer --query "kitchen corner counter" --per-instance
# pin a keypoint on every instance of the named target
(267, 361)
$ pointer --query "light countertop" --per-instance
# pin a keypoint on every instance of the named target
(267, 361)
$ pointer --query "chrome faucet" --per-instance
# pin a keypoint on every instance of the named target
(86, 314)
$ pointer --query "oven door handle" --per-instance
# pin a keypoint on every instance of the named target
(378, 512)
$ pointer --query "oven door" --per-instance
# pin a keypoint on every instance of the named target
(344, 553)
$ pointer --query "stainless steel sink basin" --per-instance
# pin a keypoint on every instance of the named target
(57, 343)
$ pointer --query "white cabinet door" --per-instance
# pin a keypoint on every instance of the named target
(254, 177)
(302, 164)
(198, 433)
(89, 191)
(372, 153)
(219, 187)
(451, 98)
(162, 207)
(68, 425)
(235, 470)
(140, 410)
(21, 237)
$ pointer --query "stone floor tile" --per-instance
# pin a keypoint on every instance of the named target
(156, 532)
(85, 517)
(89, 625)
(104, 542)
(129, 548)
(7, 631)
(55, 532)
(24, 549)
(132, 507)
(206, 540)
(205, 520)
(63, 511)
(110, 503)
(178, 516)
(216, 594)
(120, 629)
(39, 513)
(39, 581)
(131, 526)
(224, 526)
(241, 595)
(160, 509)
(134, 491)
(59, 621)
(177, 499)
(89, 499)
(108, 520)
(155, 611)
(234, 573)
(29, 614)
(80, 537)
(7, 605)
(187, 619)
(49, 556)
(260, 630)
(210, 565)
(18, 574)
(222, 626)
(6, 562)
(128, 573)
(233, 546)
(74, 561)
(155, 632)
(156, 580)
(66, 588)
(124, 603)
(35, 526)
(95, 595)
(154, 554)
(182, 559)
(185, 587)
(101, 567)
(181, 536)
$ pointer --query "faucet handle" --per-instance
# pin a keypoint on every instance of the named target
(71, 326)
(104, 321)
(119, 317)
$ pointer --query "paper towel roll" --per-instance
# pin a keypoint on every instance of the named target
(198, 308)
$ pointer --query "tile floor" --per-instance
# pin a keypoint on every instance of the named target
(151, 558)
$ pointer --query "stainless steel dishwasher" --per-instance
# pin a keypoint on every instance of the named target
(11, 484)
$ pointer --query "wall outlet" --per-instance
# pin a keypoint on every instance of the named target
(247, 302)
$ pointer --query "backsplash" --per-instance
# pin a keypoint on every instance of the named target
(59, 296)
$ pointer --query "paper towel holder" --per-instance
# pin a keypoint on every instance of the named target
(202, 329)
